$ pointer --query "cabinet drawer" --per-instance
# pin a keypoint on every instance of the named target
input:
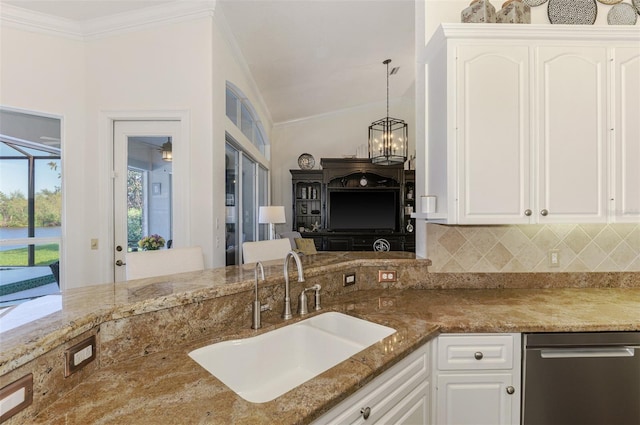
(475, 352)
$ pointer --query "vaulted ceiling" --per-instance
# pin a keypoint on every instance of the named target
(308, 57)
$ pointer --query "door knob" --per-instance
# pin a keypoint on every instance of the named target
(119, 263)
(365, 412)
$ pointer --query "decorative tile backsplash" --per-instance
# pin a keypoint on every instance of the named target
(526, 248)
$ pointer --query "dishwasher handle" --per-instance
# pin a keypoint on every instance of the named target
(565, 353)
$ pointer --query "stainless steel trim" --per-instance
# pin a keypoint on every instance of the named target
(564, 353)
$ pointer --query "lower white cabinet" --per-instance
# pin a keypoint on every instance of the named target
(477, 379)
(399, 396)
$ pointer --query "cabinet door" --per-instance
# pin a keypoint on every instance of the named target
(412, 410)
(492, 119)
(475, 399)
(626, 190)
(571, 134)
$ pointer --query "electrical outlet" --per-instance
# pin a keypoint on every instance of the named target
(387, 302)
(80, 355)
(386, 276)
(554, 258)
(349, 279)
(15, 397)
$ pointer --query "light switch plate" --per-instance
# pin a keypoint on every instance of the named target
(80, 355)
(349, 279)
(16, 397)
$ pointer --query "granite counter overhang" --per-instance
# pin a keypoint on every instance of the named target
(170, 387)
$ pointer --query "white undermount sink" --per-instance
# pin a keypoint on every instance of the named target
(266, 366)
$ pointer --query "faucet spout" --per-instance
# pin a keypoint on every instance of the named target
(256, 307)
(286, 313)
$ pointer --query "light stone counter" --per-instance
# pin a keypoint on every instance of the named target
(146, 328)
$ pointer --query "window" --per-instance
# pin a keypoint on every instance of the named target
(246, 189)
(30, 206)
(247, 178)
(242, 114)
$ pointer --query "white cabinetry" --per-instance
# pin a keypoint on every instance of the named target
(398, 396)
(519, 119)
(493, 141)
(626, 129)
(571, 133)
(477, 379)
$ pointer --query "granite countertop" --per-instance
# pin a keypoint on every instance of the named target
(169, 387)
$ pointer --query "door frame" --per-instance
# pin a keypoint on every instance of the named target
(181, 178)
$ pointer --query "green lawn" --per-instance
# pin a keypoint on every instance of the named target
(45, 255)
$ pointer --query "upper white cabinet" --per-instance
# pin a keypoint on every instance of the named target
(492, 109)
(520, 124)
(626, 129)
(570, 133)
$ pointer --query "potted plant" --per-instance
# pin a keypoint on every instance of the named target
(151, 243)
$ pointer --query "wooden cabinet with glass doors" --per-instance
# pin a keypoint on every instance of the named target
(307, 200)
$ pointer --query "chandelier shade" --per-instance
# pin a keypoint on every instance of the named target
(388, 137)
(167, 150)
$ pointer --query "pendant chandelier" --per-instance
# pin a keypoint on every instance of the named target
(388, 137)
(167, 150)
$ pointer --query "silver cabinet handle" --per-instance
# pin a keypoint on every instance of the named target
(478, 355)
(510, 390)
(544, 213)
(365, 411)
(527, 212)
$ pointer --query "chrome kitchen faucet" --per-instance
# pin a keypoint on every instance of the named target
(286, 314)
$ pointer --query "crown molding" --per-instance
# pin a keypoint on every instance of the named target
(28, 20)
(149, 17)
(539, 31)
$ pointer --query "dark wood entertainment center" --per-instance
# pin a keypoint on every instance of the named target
(359, 181)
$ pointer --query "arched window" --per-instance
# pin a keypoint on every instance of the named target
(241, 112)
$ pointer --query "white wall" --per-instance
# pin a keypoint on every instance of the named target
(327, 136)
(45, 73)
(173, 67)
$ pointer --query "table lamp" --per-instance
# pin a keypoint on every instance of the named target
(272, 215)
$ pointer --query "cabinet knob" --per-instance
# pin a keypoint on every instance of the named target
(544, 213)
(527, 212)
(510, 390)
(478, 355)
(365, 412)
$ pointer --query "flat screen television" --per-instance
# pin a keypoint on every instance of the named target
(363, 209)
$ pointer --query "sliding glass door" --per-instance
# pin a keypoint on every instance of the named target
(246, 189)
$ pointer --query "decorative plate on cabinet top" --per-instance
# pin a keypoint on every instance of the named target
(622, 14)
(636, 4)
(534, 3)
(306, 161)
(572, 12)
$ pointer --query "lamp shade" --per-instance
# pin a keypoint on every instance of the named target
(271, 214)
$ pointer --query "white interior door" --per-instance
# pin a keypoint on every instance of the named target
(143, 185)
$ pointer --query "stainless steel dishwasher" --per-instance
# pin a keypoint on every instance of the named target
(581, 378)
